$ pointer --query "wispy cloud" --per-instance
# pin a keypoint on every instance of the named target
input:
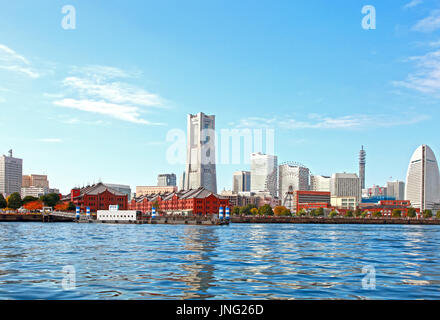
(96, 90)
(50, 140)
(12, 61)
(428, 24)
(426, 77)
(316, 121)
(412, 4)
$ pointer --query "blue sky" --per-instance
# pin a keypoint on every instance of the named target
(97, 102)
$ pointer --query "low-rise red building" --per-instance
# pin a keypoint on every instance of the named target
(310, 200)
(190, 202)
(97, 197)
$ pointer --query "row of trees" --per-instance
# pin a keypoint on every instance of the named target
(14, 201)
(266, 210)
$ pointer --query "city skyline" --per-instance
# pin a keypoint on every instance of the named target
(105, 116)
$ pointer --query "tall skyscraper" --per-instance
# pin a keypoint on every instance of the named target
(167, 179)
(241, 181)
(423, 179)
(200, 165)
(396, 189)
(293, 177)
(362, 162)
(264, 173)
(11, 171)
(346, 185)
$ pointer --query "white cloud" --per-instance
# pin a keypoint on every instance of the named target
(12, 61)
(426, 77)
(430, 23)
(117, 111)
(94, 90)
(412, 4)
(316, 121)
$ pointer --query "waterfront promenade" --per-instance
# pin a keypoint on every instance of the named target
(70, 217)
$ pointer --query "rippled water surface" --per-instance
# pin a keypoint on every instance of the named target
(240, 261)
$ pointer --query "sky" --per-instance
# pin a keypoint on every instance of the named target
(106, 98)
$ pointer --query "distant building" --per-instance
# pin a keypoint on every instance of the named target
(11, 170)
(35, 180)
(344, 202)
(182, 181)
(362, 162)
(125, 189)
(396, 189)
(375, 191)
(241, 181)
(264, 173)
(34, 191)
(200, 165)
(97, 197)
(346, 185)
(198, 201)
(310, 200)
(423, 179)
(167, 179)
(320, 183)
(148, 190)
(240, 199)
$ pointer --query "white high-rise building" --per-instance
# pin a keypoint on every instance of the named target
(11, 170)
(293, 177)
(423, 179)
(264, 173)
(200, 164)
(166, 179)
(320, 183)
(346, 185)
(241, 181)
(396, 189)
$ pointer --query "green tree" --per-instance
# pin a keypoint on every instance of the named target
(71, 207)
(437, 215)
(427, 214)
(397, 213)
(358, 212)
(364, 214)
(29, 199)
(333, 214)
(51, 199)
(349, 214)
(265, 210)
(411, 212)
(302, 212)
(236, 211)
(319, 212)
(14, 201)
(254, 211)
(3, 203)
(286, 212)
(246, 210)
(377, 214)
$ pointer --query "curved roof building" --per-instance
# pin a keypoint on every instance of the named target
(423, 179)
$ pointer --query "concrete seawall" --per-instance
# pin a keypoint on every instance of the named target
(31, 218)
(339, 220)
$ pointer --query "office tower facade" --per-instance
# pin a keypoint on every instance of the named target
(264, 173)
(11, 171)
(396, 189)
(35, 180)
(293, 177)
(200, 165)
(320, 183)
(346, 185)
(362, 162)
(167, 179)
(241, 181)
(422, 179)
